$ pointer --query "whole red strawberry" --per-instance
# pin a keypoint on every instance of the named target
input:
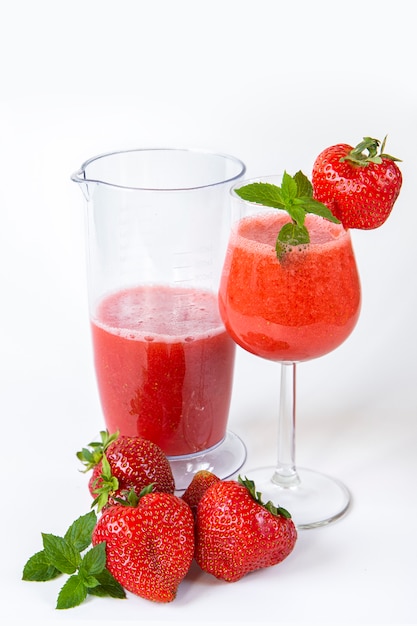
(236, 533)
(201, 481)
(121, 463)
(149, 544)
(359, 185)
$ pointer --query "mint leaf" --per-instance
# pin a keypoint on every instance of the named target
(293, 235)
(94, 561)
(318, 208)
(80, 531)
(38, 568)
(73, 593)
(262, 193)
(88, 581)
(289, 189)
(304, 186)
(290, 235)
(108, 586)
(294, 196)
(61, 554)
(297, 212)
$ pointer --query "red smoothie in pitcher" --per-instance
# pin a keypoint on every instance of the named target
(164, 366)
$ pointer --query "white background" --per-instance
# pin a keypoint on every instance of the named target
(272, 83)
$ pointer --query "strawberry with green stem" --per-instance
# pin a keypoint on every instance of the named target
(359, 185)
(236, 533)
(120, 463)
(149, 543)
(295, 195)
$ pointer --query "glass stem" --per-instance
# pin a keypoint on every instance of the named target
(285, 473)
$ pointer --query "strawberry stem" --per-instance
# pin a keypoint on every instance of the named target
(131, 498)
(366, 152)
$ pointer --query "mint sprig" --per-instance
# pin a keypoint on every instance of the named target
(295, 196)
(63, 555)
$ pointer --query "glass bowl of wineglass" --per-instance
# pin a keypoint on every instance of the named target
(289, 292)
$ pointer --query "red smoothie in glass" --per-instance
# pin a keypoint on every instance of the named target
(296, 310)
(164, 366)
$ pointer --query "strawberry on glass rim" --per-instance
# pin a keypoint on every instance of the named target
(359, 185)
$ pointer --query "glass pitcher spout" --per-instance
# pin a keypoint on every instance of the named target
(79, 178)
(86, 183)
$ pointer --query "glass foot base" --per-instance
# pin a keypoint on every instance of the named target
(224, 460)
(316, 501)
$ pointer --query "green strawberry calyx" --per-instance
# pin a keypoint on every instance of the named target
(93, 454)
(104, 485)
(131, 498)
(257, 496)
(368, 151)
(295, 196)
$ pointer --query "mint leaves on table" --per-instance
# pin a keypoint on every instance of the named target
(63, 555)
(294, 196)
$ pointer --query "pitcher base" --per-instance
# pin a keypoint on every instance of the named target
(223, 460)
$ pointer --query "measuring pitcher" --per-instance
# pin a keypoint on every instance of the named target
(157, 223)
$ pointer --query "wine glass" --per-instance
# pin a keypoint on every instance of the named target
(290, 309)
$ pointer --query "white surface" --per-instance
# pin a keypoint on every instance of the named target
(272, 83)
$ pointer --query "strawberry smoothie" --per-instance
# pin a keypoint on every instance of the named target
(297, 309)
(164, 366)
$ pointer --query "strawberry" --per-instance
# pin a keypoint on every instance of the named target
(149, 543)
(357, 184)
(201, 481)
(236, 533)
(122, 463)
